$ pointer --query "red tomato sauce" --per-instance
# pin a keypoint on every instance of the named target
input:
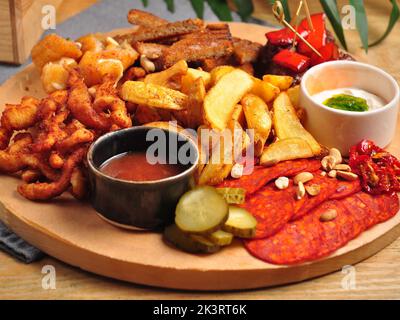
(134, 166)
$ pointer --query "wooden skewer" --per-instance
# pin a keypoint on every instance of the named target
(277, 10)
(310, 24)
(295, 21)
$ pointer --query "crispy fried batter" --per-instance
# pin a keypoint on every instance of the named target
(44, 190)
(80, 104)
(145, 19)
(79, 188)
(75, 140)
(30, 175)
(107, 99)
(20, 116)
(55, 160)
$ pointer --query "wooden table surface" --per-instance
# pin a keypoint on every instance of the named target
(375, 278)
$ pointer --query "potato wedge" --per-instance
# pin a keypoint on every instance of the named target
(294, 96)
(164, 78)
(287, 124)
(221, 100)
(194, 110)
(218, 72)
(238, 115)
(282, 82)
(191, 75)
(265, 90)
(152, 95)
(258, 119)
(286, 149)
(223, 154)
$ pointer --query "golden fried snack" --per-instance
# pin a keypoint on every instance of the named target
(5, 136)
(52, 48)
(55, 160)
(55, 74)
(164, 78)
(133, 73)
(44, 190)
(152, 95)
(150, 50)
(80, 104)
(146, 114)
(94, 66)
(195, 110)
(77, 139)
(107, 99)
(51, 132)
(20, 116)
(79, 187)
(30, 175)
(92, 42)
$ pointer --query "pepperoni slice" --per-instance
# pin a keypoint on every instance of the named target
(262, 175)
(346, 188)
(309, 238)
(272, 209)
(307, 203)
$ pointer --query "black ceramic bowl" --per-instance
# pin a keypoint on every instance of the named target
(142, 205)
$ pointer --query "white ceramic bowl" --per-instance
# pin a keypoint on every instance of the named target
(342, 129)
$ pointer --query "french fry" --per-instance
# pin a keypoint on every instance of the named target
(257, 118)
(191, 75)
(218, 72)
(152, 95)
(196, 96)
(287, 124)
(282, 82)
(238, 115)
(294, 96)
(285, 149)
(265, 90)
(221, 100)
(163, 78)
(223, 155)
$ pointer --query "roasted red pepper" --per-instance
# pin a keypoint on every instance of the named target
(284, 37)
(291, 60)
(379, 171)
(329, 52)
(316, 38)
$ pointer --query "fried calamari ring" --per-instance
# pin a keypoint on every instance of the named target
(30, 175)
(12, 159)
(5, 136)
(76, 139)
(20, 116)
(80, 104)
(44, 191)
(107, 99)
(79, 188)
(55, 160)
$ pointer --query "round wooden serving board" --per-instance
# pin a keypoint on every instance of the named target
(72, 231)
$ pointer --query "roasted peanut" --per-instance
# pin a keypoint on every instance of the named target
(146, 64)
(313, 190)
(332, 174)
(350, 176)
(282, 183)
(300, 191)
(328, 215)
(342, 167)
(237, 171)
(303, 177)
(333, 152)
(328, 163)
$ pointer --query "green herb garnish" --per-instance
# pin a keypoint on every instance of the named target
(347, 102)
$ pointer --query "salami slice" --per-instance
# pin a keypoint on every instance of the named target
(309, 238)
(262, 175)
(297, 242)
(307, 203)
(346, 188)
(272, 209)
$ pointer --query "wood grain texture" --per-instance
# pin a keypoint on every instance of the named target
(377, 277)
(6, 32)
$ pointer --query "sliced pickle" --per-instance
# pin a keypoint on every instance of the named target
(187, 242)
(240, 223)
(233, 195)
(201, 210)
(221, 238)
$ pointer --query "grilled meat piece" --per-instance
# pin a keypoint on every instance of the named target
(246, 51)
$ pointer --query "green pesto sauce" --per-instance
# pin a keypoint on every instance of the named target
(347, 102)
